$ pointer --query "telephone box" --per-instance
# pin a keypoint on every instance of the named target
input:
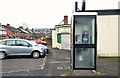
(84, 40)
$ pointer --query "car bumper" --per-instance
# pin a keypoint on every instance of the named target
(47, 50)
(42, 53)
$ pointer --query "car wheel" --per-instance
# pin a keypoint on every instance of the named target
(2, 55)
(35, 54)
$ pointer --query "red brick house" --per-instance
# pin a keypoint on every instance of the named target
(23, 33)
(29, 33)
(3, 32)
(11, 31)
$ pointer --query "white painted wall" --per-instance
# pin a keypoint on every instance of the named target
(107, 35)
(54, 39)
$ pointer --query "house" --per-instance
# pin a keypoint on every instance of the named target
(29, 33)
(37, 34)
(11, 31)
(23, 33)
(3, 32)
(61, 35)
(33, 33)
(16, 33)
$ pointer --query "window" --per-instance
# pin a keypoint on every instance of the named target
(38, 40)
(2, 42)
(84, 57)
(84, 30)
(22, 43)
(11, 43)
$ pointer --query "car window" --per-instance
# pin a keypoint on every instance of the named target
(38, 40)
(22, 43)
(33, 43)
(35, 40)
(10, 43)
(2, 42)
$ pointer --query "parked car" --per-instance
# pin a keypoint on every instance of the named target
(11, 47)
(40, 42)
(45, 47)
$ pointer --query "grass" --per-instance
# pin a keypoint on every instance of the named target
(99, 74)
(68, 70)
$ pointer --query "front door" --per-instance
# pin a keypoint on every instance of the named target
(11, 47)
(23, 48)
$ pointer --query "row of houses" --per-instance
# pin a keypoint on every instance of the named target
(46, 31)
(7, 31)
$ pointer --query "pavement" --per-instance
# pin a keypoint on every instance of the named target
(57, 63)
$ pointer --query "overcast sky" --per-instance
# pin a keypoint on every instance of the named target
(45, 13)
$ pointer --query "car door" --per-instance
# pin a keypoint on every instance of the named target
(24, 48)
(11, 47)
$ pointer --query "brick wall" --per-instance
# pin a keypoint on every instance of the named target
(22, 35)
(29, 34)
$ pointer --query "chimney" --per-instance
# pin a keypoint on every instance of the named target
(8, 24)
(65, 19)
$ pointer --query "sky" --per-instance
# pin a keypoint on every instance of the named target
(45, 13)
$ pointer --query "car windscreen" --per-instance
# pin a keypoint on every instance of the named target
(33, 43)
(38, 40)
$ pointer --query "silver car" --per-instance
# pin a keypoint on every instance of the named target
(45, 47)
(10, 47)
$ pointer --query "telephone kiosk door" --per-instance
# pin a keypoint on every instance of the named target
(84, 42)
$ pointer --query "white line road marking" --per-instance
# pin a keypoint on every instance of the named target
(43, 64)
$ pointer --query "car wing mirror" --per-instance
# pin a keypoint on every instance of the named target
(28, 46)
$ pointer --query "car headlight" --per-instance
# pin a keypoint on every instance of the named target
(41, 48)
